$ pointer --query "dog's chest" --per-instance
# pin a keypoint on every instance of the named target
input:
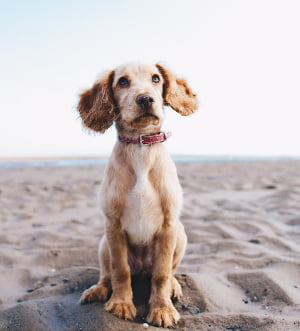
(142, 214)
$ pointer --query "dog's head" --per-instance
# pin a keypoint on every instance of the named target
(134, 95)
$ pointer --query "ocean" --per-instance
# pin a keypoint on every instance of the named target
(86, 161)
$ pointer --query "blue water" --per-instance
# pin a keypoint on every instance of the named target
(176, 158)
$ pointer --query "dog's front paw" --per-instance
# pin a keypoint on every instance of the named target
(98, 292)
(164, 316)
(121, 309)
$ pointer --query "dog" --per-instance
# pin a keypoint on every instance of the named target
(141, 197)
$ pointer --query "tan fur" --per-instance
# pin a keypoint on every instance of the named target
(96, 105)
(140, 195)
(177, 93)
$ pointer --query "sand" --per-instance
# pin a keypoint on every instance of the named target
(241, 270)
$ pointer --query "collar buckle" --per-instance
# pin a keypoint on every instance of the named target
(142, 141)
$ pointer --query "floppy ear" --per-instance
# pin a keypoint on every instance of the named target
(177, 94)
(96, 105)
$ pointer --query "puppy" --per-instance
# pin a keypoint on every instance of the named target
(141, 196)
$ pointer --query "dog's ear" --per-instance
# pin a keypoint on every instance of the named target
(177, 94)
(96, 105)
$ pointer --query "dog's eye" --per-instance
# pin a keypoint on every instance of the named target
(155, 79)
(123, 81)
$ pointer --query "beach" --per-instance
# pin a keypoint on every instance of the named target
(241, 270)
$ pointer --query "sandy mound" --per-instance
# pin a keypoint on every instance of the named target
(241, 270)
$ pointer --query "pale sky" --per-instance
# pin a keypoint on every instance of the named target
(242, 58)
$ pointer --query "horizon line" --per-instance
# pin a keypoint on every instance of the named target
(61, 161)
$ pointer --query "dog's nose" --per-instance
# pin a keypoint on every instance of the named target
(144, 100)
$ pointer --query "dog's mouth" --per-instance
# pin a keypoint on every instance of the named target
(145, 119)
(148, 115)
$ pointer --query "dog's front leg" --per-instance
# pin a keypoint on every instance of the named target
(120, 303)
(162, 312)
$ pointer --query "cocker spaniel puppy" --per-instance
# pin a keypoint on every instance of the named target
(141, 196)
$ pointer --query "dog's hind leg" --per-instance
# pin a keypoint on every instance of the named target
(102, 290)
(178, 254)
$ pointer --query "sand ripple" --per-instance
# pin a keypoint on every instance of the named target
(241, 270)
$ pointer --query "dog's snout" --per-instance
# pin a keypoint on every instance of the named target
(144, 100)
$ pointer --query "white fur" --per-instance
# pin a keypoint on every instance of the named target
(142, 216)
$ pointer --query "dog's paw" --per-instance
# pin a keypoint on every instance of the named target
(121, 309)
(176, 289)
(98, 292)
(165, 316)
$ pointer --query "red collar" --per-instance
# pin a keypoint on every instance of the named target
(147, 139)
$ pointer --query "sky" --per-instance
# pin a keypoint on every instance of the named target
(241, 57)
